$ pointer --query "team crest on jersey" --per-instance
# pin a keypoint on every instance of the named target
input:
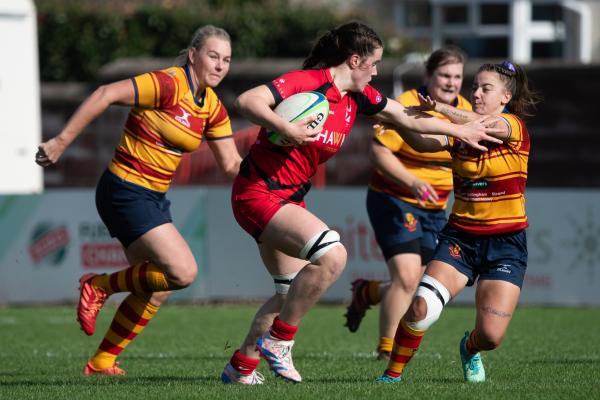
(410, 222)
(183, 119)
(455, 251)
(378, 99)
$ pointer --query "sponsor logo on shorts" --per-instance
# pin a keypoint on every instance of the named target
(455, 251)
(503, 268)
(410, 222)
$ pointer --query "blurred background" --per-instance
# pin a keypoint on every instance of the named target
(56, 52)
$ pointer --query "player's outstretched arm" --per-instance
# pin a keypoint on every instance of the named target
(460, 116)
(472, 133)
(121, 92)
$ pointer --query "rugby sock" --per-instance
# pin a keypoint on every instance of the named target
(370, 293)
(406, 343)
(140, 278)
(471, 346)
(282, 331)
(385, 344)
(132, 316)
(242, 364)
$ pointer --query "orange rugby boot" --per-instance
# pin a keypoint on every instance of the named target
(91, 300)
(89, 370)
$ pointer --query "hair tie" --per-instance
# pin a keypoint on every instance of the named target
(507, 67)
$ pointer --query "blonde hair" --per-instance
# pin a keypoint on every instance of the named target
(198, 39)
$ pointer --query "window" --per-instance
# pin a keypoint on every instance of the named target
(417, 14)
(494, 14)
(546, 12)
(455, 14)
(545, 50)
(482, 47)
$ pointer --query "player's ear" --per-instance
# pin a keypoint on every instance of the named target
(506, 97)
(354, 61)
(190, 58)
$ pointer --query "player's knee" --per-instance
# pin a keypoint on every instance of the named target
(426, 308)
(405, 282)
(332, 263)
(183, 276)
(321, 244)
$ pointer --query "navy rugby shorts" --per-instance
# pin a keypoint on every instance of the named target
(401, 227)
(485, 257)
(129, 210)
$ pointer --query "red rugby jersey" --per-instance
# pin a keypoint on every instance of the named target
(289, 169)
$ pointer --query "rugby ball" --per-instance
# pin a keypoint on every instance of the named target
(297, 107)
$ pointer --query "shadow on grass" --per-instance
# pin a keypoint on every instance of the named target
(131, 380)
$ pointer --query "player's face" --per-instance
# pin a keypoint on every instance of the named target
(489, 95)
(366, 70)
(211, 61)
(445, 83)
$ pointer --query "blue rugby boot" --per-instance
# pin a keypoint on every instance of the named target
(472, 365)
(386, 379)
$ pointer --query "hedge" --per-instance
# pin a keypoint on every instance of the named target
(74, 42)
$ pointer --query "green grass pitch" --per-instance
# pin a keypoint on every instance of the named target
(549, 353)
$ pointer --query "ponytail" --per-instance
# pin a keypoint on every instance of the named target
(336, 45)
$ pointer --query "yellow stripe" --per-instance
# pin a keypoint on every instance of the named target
(410, 330)
(136, 278)
(395, 366)
(507, 220)
(115, 339)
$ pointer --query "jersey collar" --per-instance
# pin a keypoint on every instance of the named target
(198, 100)
(337, 95)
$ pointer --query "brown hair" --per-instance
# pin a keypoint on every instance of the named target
(336, 45)
(524, 100)
(446, 55)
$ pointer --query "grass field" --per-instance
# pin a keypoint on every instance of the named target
(549, 353)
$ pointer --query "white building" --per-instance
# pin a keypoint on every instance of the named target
(522, 30)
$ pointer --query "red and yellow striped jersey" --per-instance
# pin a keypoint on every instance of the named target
(434, 168)
(489, 187)
(166, 121)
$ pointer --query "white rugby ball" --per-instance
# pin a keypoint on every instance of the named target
(297, 107)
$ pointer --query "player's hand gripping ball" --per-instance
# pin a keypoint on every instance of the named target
(297, 107)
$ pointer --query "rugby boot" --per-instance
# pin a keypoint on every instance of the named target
(91, 300)
(357, 308)
(472, 365)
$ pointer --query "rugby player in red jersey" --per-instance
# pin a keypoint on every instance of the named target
(299, 250)
(173, 110)
(484, 240)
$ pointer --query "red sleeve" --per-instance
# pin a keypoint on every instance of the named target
(155, 89)
(293, 82)
(370, 101)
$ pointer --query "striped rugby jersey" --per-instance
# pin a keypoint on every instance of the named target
(489, 187)
(166, 121)
(434, 168)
